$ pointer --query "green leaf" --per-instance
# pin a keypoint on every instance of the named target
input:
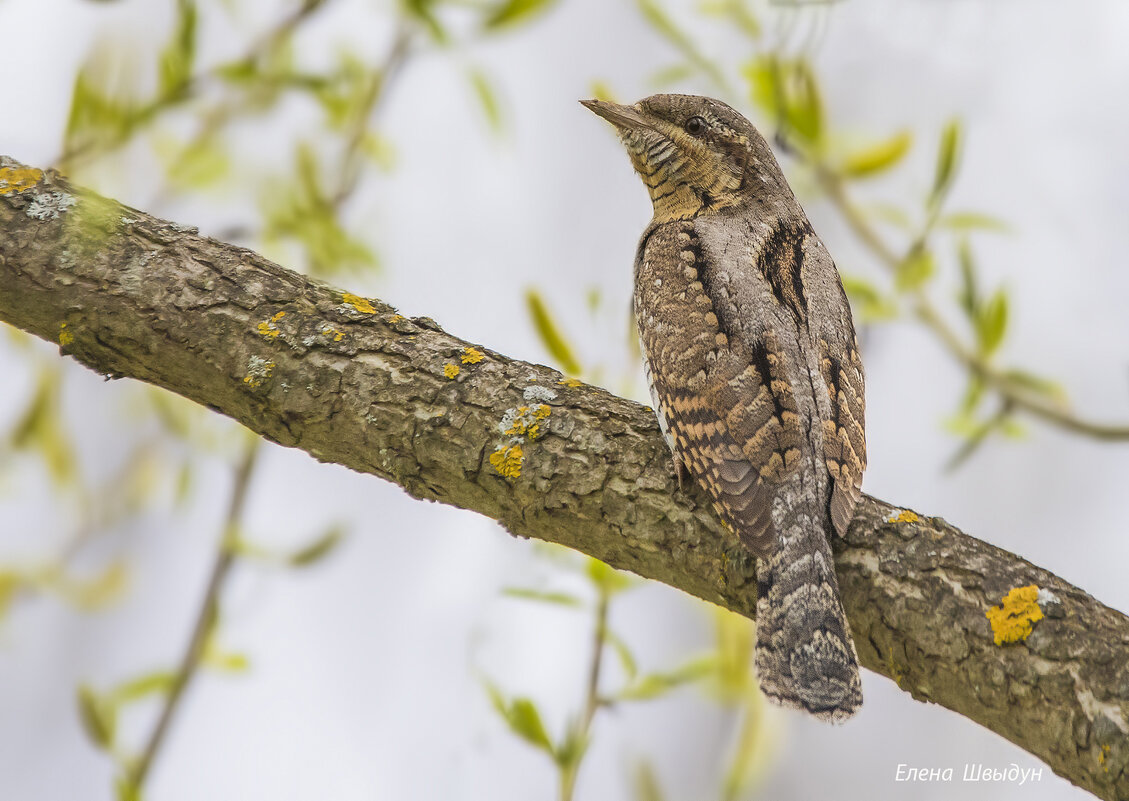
(157, 683)
(99, 719)
(655, 16)
(738, 12)
(175, 68)
(867, 301)
(626, 658)
(527, 594)
(225, 661)
(991, 323)
(647, 786)
(571, 751)
(668, 76)
(511, 13)
(788, 91)
(487, 99)
(889, 213)
(40, 429)
(522, 717)
(947, 156)
(653, 685)
(971, 221)
(318, 549)
(202, 163)
(10, 584)
(973, 394)
(878, 157)
(550, 334)
(127, 789)
(969, 295)
(915, 270)
(97, 118)
(423, 11)
(608, 580)
(97, 592)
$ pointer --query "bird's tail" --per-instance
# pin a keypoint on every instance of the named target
(805, 657)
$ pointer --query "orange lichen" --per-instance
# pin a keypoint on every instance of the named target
(18, 179)
(507, 460)
(268, 329)
(450, 370)
(1014, 618)
(472, 356)
(358, 303)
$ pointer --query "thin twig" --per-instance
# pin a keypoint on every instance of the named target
(592, 700)
(205, 619)
(381, 77)
(1011, 392)
(187, 88)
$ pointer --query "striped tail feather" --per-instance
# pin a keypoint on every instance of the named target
(805, 658)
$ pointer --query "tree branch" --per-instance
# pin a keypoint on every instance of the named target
(350, 381)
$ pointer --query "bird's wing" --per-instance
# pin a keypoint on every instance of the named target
(727, 401)
(844, 438)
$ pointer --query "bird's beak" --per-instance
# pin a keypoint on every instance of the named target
(622, 117)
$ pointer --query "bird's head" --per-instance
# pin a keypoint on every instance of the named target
(695, 154)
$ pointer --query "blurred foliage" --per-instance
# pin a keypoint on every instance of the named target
(131, 103)
(722, 673)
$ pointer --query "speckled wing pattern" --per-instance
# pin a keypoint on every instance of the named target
(758, 388)
(725, 406)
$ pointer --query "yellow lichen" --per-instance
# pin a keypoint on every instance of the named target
(525, 422)
(571, 383)
(904, 516)
(358, 303)
(507, 460)
(472, 356)
(450, 370)
(268, 329)
(333, 333)
(15, 179)
(395, 318)
(1014, 618)
(65, 336)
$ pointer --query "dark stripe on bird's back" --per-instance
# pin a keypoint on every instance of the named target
(781, 262)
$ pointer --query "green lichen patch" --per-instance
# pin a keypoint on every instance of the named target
(1015, 617)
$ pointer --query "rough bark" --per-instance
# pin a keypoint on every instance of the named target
(350, 381)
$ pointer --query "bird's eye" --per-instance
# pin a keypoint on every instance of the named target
(695, 126)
